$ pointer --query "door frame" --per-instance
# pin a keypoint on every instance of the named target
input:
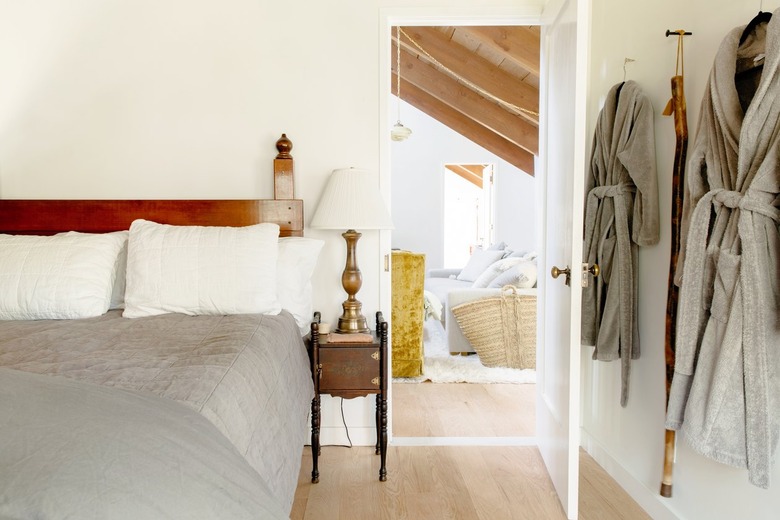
(527, 12)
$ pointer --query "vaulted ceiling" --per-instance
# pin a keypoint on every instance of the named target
(482, 82)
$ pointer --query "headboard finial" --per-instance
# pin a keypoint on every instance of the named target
(284, 146)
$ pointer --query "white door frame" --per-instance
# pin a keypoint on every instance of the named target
(529, 16)
(527, 12)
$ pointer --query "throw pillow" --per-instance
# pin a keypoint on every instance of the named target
(495, 269)
(480, 260)
(522, 275)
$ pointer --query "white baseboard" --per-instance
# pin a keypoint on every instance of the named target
(654, 504)
(337, 436)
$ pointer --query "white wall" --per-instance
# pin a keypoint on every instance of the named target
(417, 198)
(630, 441)
(186, 98)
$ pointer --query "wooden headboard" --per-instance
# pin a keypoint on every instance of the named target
(47, 217)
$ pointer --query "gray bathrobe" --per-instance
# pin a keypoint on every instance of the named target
(621, 212)
(725, 393)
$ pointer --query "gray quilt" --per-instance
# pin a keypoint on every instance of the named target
(247, 374)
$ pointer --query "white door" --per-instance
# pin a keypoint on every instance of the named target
(564, 61)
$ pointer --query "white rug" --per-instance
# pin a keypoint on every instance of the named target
(441, 367)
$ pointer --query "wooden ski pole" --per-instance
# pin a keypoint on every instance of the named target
(676, 106)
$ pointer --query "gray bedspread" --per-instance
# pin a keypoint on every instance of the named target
(74, 450)
(247, 374)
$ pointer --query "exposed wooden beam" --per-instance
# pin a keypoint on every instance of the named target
(513, 128)
(465, 126)
(465, 172)
(474, 69)
(520, 45)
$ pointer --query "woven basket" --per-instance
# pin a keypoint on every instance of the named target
(502, 329)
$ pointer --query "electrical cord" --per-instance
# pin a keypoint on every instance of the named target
(346, 428)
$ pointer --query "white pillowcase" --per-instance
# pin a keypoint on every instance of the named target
(65, 276)
(478, 262)
(201, 270)
(120, 268)
(495, 269)
(297, 259)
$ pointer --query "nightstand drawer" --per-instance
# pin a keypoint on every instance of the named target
(349, 368)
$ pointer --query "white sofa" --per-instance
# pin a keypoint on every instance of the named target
(450, 291)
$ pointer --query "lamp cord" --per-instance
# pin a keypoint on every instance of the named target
(346, 428)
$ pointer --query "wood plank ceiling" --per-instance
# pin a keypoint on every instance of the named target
(482, 82)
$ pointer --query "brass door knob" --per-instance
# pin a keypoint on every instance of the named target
(555, 272)
(595, 270)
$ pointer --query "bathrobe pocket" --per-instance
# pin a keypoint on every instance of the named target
(726, 280)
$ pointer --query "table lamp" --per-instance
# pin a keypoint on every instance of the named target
(351, 201)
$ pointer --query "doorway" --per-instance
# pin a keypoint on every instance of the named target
(562, 19)
(441, 208)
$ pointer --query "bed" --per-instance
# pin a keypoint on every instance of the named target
(179, 388)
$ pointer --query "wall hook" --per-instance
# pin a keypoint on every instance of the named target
(678, 32)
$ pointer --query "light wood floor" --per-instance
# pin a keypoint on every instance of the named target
(450, 482)
(453, 482)
(464, 410)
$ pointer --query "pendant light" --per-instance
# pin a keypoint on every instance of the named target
(399, 131)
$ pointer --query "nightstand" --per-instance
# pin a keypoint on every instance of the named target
(349, 369)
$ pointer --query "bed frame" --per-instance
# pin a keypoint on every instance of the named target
(47, 217)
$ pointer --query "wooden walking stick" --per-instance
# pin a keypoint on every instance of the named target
(677, 107)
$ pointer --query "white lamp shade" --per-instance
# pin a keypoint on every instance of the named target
(351, 201)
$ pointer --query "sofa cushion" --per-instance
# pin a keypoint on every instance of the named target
(478, 262)
(441, 287)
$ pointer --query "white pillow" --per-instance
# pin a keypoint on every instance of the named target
(201, 270)
(495, 269)
(297, 259)
(522, 275)
(120, 269)
(120, 282)
(480, 260)
(64, 276)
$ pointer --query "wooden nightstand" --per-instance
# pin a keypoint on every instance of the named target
(349, 369)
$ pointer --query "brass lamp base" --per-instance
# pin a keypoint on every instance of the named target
(352, 319)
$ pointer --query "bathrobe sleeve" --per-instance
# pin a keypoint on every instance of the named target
(638, 157)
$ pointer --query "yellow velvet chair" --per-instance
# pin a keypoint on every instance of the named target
(408, 281)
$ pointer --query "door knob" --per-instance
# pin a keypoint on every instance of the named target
(595, 270)
(555, 272)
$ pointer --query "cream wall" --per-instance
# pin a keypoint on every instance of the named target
(630, 441)
(175, 98)
(185, 99)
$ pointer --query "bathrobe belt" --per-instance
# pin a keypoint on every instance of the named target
(754, 341)
(624, 264)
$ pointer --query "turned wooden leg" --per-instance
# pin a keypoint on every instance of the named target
(378, 423)
(315, 438)
(383, 441)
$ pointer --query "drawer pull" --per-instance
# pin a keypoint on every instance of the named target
(375, 381)
(375, 355)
